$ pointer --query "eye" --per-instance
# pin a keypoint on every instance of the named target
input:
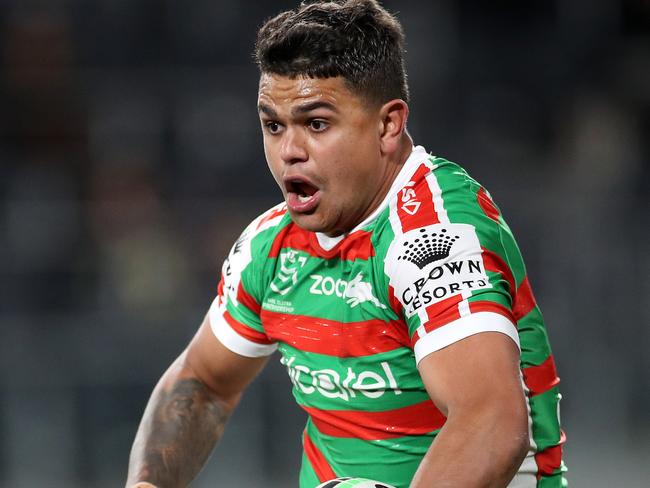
(318, 125)
(272, 127)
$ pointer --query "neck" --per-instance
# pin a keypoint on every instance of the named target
(395, 163)
(404, 151)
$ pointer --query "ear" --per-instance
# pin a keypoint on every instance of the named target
(393, 116)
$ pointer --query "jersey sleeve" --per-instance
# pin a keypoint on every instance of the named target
(447, 264)
(235, 313)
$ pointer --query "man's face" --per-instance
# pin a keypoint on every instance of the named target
(322, 144)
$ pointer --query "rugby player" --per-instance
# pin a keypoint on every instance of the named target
(387, 279)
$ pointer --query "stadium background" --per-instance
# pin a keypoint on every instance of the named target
(131, 158)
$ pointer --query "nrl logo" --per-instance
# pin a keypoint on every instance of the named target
(290, 263)
(427, 248)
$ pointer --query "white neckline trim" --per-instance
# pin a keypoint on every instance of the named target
(415, 158)
(328, 243)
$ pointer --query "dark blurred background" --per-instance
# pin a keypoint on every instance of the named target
(131, 158)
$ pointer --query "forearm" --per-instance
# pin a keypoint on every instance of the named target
(474, 451)
(181, 425)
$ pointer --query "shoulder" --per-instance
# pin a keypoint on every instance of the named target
(441, 223)
(438, 192)
(247, 256)
(253, 245)
(435, 187)
(260, 233)
(434, 191)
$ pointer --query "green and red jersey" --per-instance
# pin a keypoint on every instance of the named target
(353, 315)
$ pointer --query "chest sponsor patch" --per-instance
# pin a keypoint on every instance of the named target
(432, 263)
(342, 384)
(354, 292)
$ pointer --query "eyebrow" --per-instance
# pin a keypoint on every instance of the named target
(301, 109)
(308, 107)
(265, 109)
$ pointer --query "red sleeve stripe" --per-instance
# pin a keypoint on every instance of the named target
(245, 331)
(487, 306)
(247, 300)
(442, 312)
(446, 311)
(541, 378)
(321, 467)
(415, 206)
(418, 419)
(220, 289)
(524, 300)
(494, 263)
(395, 304)
(550, 459)
(341, 339)
(488, 206)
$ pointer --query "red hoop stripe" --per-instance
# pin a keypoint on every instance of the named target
(318, 462)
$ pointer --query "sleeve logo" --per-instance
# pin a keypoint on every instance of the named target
(238, 258)
(410, 204)
(432, 263)
(427, 248)
(241, 242)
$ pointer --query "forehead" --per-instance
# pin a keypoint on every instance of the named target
(279, 92)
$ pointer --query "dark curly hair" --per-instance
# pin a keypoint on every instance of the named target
(355, 39)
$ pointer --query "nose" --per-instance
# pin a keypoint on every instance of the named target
(293, 146)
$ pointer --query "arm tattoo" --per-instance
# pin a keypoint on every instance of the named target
(178, 431)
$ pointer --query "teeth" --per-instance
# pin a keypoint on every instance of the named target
(303, 198)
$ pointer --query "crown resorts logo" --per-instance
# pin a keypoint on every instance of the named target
(448, 261)
(428, 248)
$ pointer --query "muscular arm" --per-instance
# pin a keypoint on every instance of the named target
(187, 412)
(476, 383)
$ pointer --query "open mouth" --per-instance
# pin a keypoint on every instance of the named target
(302, 195)
(301, 188)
